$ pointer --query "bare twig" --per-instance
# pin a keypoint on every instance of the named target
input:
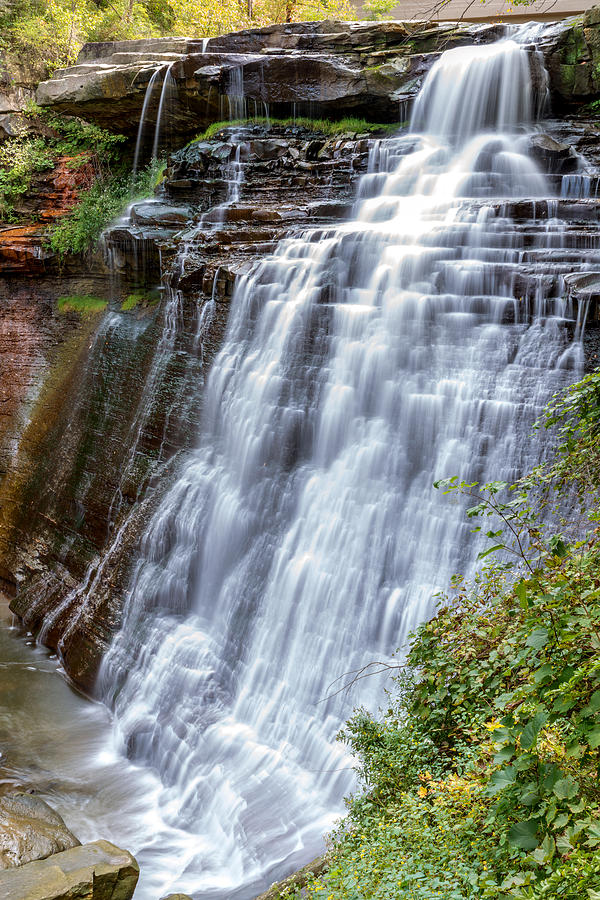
(359, 674)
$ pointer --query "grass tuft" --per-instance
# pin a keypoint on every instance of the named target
(325, 126)
(81, 304)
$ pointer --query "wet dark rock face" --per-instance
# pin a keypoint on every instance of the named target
(104, 401)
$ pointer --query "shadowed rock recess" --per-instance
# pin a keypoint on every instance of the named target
(332, 69)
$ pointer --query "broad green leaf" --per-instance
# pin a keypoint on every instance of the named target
(526, 761)
(532, 729)
(505, 754)
(529, 795)
(563, 844)
(538, 638)
(542, 673)
(575, 749)
(501, 779)
(557, 545)
(521, 595)
(565, 788)
(593, 738)
(593, 706)
(524, 835)
(563, 704)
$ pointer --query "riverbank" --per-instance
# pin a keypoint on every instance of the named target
(59, 745)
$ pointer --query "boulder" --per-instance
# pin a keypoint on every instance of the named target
(553, 156)
(29, 830)
(158, 214)
(96, 871)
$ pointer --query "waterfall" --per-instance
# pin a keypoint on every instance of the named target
(303, 539)
(168, 94)
(472, 89)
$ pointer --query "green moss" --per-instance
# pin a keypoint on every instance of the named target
(325, 126)
(575, 48)
(159, 174)
(81, 304)
(140, 299)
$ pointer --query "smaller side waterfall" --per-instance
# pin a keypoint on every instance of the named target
(168, 96)
(236, 100)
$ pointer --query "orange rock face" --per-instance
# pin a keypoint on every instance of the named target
(25, 249)
(60, 188)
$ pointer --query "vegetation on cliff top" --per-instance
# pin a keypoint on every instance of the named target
(98, 157)
(25, 155)
(481, 777)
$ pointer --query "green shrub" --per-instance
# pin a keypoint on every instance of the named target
(20, 159)
(80, 230)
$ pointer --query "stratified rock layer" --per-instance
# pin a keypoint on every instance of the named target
(330, 69)
(372, 70)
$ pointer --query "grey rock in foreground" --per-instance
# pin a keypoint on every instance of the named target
(96, 871)
(30, 830)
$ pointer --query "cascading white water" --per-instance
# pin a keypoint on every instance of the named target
(304, 537)
(467, 91)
